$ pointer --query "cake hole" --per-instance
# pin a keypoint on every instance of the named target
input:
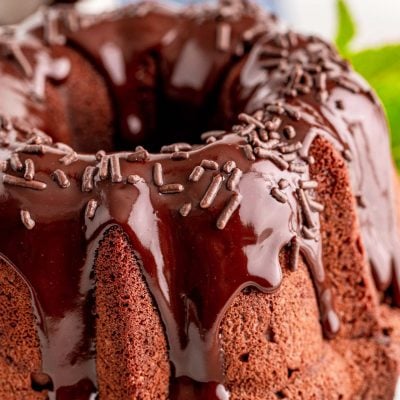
(244, 357)
(156, 108)
(359, 245)
(387, 331)
(247, 290)
(290, 372)
(270, 335)
(339, 104)
(41, 381)
(280, 395)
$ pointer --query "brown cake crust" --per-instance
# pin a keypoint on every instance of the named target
(273, 344)
(19, 344)
(132, 360)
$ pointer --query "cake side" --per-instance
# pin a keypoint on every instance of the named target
(225, 208)
(131, 349)
(274, 344)
(20, 358)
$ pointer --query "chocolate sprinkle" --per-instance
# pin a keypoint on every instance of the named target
(299, 168)
(15, 162)
(234, 179)
(263, 135)
(158, 177)
(29, 170)
(292, 112)
(196, 174)
(171, 188)
(175, 147)
(61, 178)
(289, 157)
(278, 195)
(270, 145)
(204, 136)
(229, 166)
(289, 132)
(212, 191)
(68, 159)
(223, 36)
(275, 109)
(116, 176)
(308, 185)
(27, 219)
(283, 184)
(91, 208)
(274, 135)
(290, 148)
(273, 124)
(209, 164)
(305, 208)
(87, 179)
(352, 87)
(179, 155)
(211, 139)
(103, 167)
(185, 209)
(248, 152)
(228, 211)
(272, 156)
(250, 120)
(138, 156)
(20, 182)
(315, 206)
(134, 179)
(33, 149)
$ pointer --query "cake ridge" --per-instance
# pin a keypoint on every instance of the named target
(199, 191)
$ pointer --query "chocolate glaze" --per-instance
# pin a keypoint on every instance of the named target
(364, 139)
(183, 98)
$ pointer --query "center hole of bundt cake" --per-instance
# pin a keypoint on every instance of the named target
(152, 108)
(164, 112)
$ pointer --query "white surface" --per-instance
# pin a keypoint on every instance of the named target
(12, 11)
(94, 6)
(377, 21)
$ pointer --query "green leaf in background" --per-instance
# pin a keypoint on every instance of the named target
(379, 66)
(346, 27)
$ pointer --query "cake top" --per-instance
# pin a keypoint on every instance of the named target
(207, 220)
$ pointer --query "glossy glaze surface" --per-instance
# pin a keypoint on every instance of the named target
(204, 236)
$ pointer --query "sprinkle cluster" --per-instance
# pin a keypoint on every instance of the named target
(269, 138)
(307, 65)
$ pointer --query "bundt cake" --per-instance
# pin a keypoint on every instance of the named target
(262, 263)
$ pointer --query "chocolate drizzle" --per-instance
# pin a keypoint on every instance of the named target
(206, 210)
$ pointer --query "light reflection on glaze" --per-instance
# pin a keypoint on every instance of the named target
(113, 59)
(143, 221)
(182, 257)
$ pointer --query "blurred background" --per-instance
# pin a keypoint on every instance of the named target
(365, 31)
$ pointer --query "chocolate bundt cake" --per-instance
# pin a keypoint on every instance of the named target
(262, 263)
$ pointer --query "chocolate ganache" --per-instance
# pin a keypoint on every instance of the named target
(206, 221)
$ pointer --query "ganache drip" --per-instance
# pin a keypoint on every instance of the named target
(196, 215)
